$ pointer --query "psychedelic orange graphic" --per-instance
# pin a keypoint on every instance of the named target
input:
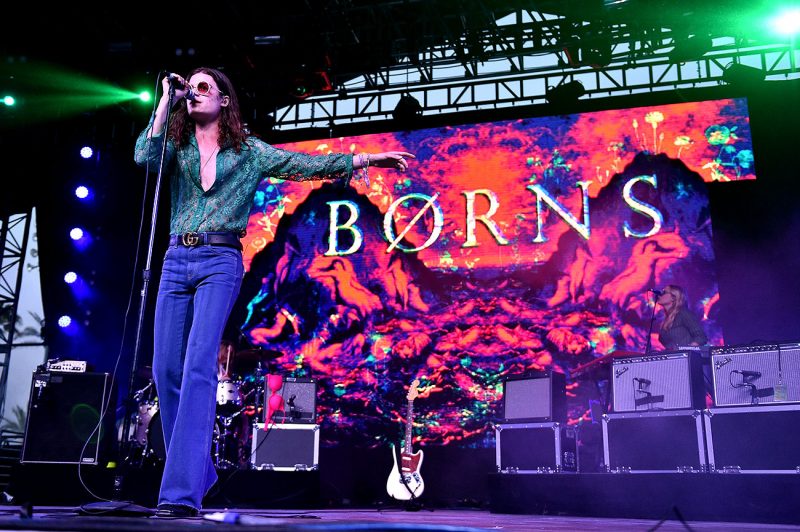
(508, 247)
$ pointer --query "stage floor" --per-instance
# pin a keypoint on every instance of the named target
(397, 519)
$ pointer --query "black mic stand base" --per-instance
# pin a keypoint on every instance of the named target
(116, 508)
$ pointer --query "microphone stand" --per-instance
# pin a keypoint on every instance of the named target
(124, 443)
(650, 329)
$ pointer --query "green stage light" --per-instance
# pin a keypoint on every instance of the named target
(145, 96)
(787, 22)
(54, 92)
(9, 100)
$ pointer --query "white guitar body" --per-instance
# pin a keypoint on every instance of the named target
(405, 482)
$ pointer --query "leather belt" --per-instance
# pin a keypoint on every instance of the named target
(192, 239)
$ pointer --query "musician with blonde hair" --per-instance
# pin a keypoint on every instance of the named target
(680, 327)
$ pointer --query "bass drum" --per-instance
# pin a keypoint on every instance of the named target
(155, 438)
(157, 449)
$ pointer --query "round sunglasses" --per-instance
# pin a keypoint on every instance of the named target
(204, 89)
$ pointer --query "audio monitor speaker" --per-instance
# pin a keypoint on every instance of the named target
(756, 374)
(670, 380)
(63, 416)
(535, 397)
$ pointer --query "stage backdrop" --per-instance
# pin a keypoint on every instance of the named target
(507, 247)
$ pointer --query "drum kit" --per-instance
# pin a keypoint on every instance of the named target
(240, 392)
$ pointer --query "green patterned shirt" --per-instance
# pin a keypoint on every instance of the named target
(226, 205)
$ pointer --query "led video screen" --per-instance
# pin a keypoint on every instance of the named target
(507, 247)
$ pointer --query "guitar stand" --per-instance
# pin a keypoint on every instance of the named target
(413, 505)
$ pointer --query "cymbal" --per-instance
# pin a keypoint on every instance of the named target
(257, 353)
(145, 372)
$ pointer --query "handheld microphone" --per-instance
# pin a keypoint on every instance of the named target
(641, 381)
(656, 292)
(179, 84)
(748, 374)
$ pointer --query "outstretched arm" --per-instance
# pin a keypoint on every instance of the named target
(389, 159)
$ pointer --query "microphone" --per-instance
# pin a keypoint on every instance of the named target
(641, 381)
(748, 374)
(178, 84)
(656, 292)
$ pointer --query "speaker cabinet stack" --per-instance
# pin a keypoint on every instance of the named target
(661, 441)
(671, 380)
(285, 447)
(536, 448)
(754, 439)
(750, 375)
(64, 411)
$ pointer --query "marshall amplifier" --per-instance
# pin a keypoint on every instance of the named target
(751, 375)
(670, 380)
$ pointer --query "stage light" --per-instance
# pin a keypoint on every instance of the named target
(9, 100)
(76, 233)
(70, 277)
(690, 49)
(86, 152)
(739, 74)
(565, 94)
(597, 53)
(145, 96)
(64, 321)
(787, 22)
(301, 91)
(81, 192)
(408, 109)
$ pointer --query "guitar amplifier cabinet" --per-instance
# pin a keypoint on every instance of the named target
(299, 398)
(536, 448)
(753, 439)
(63, 416)
(285, 447)
(671, 380)
(535, 397)
(668, 441)
(750, 375)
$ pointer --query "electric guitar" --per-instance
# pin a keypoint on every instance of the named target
(405, 483)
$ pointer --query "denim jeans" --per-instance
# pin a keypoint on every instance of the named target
(198, 288)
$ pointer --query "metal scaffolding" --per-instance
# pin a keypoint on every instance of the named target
(504, 55)
(14, 232)
(526, 85)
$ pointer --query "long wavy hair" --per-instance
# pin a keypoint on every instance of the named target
(231, 130)
(680, 302)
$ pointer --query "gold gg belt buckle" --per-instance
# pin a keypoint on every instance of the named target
(190, 239)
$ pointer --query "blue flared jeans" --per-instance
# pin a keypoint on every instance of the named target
(198, 288)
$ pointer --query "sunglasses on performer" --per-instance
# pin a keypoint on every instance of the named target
(204, 88)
